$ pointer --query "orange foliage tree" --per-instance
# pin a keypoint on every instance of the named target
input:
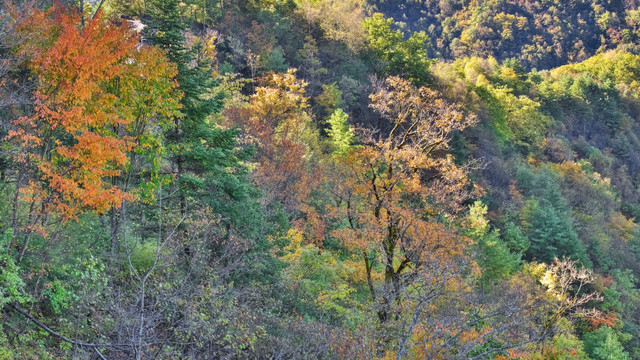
(98, 92)
(395, 188)
(277, 122)
(282, 126)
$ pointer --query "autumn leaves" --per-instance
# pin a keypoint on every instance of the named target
(99, 94)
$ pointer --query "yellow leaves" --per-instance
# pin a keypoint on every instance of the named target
(537, 270)
(508, 21)
(549, 280)
(208, 42)
(340, 20)
(477, 220)
(294, 249)
(280, 103)
(358, 273)
(567, 283)
(575, 172)
(624, 228)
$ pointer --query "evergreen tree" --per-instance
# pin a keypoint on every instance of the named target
(206, 161)
(341, 134)
(551, 232)
(603, 344)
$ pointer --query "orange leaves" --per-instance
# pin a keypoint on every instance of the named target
(604, 319)
(391, 189)
(432, 341)
(98, 92)
(91, 159)
(418, 114)
(423, 124)
(280, 127)
(80, 60)
(403, 176)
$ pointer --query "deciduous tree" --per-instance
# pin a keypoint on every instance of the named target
(98, 101)
(398, 185)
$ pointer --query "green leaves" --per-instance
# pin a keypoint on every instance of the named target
(603, 344)
(407, 58)
(341, 134)
(550, 231)
(58, 297)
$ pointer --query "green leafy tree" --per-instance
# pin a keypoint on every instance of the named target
(341, 134)
(407, 58)
(207, 162)
(603, 344)
(276, 61)
(494, 257)
(550, 231)
(515, 239)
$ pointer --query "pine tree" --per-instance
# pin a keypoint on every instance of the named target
(551, 232)
(206, 161)
(341, 134)
(603, 344)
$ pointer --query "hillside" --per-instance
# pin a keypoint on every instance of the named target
(320, 179)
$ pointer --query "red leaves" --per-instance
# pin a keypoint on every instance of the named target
(97, 93)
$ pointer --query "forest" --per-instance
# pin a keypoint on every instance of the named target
(320, 179)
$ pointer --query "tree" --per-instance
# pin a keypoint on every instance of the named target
(93, 113)
(494, 257)
(397, 185)
(603, 344)
(341, 134)
(546, 217)
(569, 284)
(97, 122)
(207, 161)
(128, 7)
(550, 232)
(406, 58)
(310, 65)
(279, 125)
(339, 20)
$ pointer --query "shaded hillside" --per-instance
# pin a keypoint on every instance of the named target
(541, 34)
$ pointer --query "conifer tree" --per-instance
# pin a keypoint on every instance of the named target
(341, 134)
(204, 155)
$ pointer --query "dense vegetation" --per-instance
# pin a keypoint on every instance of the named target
(319, 179)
